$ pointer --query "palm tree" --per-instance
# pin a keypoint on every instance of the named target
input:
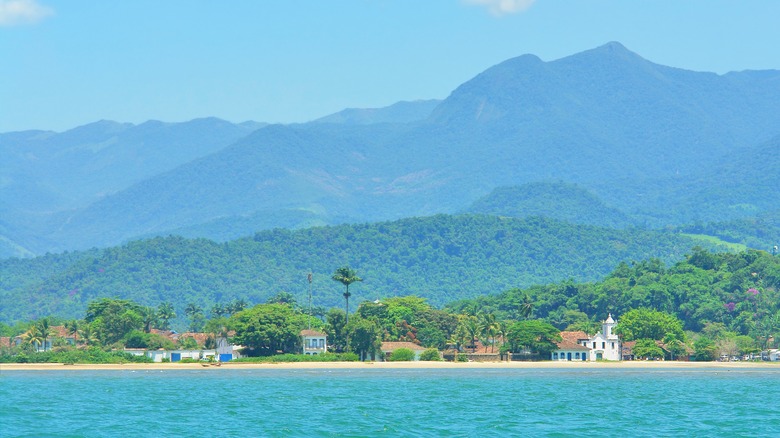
(149, 317)
(192, 309)
(526, 307)
(218, 311)
(346, 276)
(33, 336)
(72, 327)
(488, 329)
(88, 336)
(165, 313)
(44, 329)
(471, 326)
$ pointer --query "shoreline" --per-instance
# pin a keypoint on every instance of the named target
(629, 365)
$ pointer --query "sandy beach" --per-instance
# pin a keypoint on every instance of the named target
(10, 367)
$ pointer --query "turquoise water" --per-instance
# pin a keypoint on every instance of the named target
(425, 402)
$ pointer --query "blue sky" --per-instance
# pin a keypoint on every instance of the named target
(65, 63)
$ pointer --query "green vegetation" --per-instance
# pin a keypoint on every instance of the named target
(283, 358)
(562, 201)
(72, 356)
(441, 258)
(401, 355)
(739, 291)
(709, 304)
(430, 355)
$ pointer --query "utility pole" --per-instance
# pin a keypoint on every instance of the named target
(309, 278)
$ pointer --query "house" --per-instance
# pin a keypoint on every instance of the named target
(571, 348)
(604, 345)
(388, 348)
(314, 342)
(774, 355)
(56, 333)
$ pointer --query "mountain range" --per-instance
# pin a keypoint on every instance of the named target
(653, 146)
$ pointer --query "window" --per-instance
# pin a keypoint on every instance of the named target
(322, 343)
(555, 356)
(612, 345)
(594, 344)
(603, 345)
(576, 355)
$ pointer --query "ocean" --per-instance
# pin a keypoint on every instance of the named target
(392, 402)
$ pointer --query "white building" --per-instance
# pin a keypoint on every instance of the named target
(314, 342)
(604, 345)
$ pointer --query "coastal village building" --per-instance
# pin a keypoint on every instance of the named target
(604, 345)
(388, 348)
(314, 342)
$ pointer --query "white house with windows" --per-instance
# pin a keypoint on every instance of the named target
(314, 342)
(604, 345)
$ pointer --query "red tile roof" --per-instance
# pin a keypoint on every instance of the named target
(571, 341)
(311, 333)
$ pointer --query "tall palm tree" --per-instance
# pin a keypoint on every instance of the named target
(165, 313)
(88, 335)
(526, 307)
(72, 327)
(192, 309)
(44, 329)
(149, 317)
(471, 326)
(488, 329)
(346, 276)
(33, 336)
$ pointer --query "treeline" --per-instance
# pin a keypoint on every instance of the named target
(442, 258)
(712, 293)
(761, 232)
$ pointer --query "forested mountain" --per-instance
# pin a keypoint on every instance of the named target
(708, 292)
(562, 201)
(442, 258)
(664, 146)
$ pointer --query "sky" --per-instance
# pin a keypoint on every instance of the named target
(66, 63)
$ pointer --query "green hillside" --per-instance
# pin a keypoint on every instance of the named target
(711, 293)
(442, 258)
(562, 201)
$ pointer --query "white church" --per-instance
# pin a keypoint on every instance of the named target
(578, 346)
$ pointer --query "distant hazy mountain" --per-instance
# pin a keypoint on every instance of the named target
(45, 174)
(400, 112)
(653, 142)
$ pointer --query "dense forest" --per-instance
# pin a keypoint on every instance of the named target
(441, 258)
(709, 304)
(708, 292)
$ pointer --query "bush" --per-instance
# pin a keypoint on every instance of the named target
(463, 357)
(286, 358)
(430, 354)
(402, 355)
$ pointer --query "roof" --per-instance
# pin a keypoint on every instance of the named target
(564, 345)
(573, 337)
(392, 346)
(5, 341)
(480, 348)
(311, 333)
(571, 341)
(609, 319)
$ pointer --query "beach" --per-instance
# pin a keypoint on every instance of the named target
(10, 367)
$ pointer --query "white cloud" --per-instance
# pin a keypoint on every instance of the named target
(503, 7)
(13, 12)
